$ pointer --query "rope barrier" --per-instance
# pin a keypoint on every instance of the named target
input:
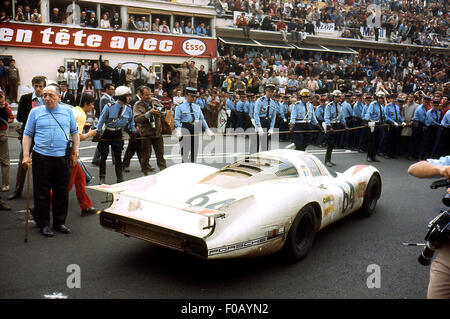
(253, 133)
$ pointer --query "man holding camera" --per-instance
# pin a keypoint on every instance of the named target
(147, 114)
(439, 286)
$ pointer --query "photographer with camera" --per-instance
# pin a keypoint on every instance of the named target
(439, 286)
(148, 113)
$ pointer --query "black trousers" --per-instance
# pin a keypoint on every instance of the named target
(189, 144)
(416, 139)
(374, 141)
(113, 138)
(134, 147)
(50, 173)
(255, 146)
(302, 140)
(333, 138)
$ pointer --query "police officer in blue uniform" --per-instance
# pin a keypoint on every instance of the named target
(240, 109)
(375, 118)
(395, 121)
(264, 115)
(358, 107)
(303, 118)
(115, 117)
(189, 117)
(320, 113)
(418, 125)
(363, 137)
(230, 108)
(432, 124)
(347, 110)
(442, 145)
(334, 120)
(249, 108)
(283, 112)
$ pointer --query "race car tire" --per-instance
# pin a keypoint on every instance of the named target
(301, 235)
(371, 196)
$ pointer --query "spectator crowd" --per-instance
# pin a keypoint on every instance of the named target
(410, 22)
(110, 19)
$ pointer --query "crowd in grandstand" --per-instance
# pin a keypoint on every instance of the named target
(411, 22)
(110, 19)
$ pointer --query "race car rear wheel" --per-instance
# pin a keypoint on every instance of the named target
(371, 196)
(301, 235)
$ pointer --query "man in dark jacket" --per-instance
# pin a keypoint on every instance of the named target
(26, 103)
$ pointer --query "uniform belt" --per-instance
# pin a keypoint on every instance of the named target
(264, 117)
(113, 128)
(334, 122)
(302, 121)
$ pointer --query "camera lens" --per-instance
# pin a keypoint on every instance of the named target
(426, 256)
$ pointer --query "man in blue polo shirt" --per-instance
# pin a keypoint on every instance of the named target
(50, 126)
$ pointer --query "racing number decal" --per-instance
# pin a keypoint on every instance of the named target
(348, 198)
(205, 199)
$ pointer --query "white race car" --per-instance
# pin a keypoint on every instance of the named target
(264, 203)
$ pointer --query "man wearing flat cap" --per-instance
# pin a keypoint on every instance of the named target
(188, 118)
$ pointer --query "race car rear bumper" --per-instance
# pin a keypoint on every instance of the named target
(155, 234)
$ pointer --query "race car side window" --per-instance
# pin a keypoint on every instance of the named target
(313, 167)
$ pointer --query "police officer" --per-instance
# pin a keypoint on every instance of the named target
(432, 125)
(334, 120)
(362, 144)
(347, 110)
(303, 118)
(395, 121)
(189, 116)
(249, 108)
(418, 128)
(230, 108)
(265, 115)
(442, 145)
(358, 107)
(320, 113)
(375, 118)
(240, 112)
(115, 117)
(283, 116)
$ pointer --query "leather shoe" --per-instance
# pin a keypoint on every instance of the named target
(62, 229)
(3, 206)
(329, 164)
(102, 181)
(361, 151)
(90, 211)
(126, 169)
(369, 159)
(388, 156)
(14, 196)
(46, 231)
(374, 160)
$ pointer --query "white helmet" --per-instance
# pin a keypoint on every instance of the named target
(305, 93)
(337, 93)
(122, 90)
(381, 94)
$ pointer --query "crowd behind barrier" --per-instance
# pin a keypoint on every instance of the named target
(408, 22)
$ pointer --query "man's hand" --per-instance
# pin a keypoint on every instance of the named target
(92, 133)
(445, 171)
(26, 161)
(73, 160)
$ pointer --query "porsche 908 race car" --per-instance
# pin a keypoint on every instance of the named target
(264, 203)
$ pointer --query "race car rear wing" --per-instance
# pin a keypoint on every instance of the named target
(161, 212)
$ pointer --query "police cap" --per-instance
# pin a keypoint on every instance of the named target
(191, 91)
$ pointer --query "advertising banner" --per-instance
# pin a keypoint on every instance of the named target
(99, 40)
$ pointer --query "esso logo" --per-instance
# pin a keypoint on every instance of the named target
(194, 47)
